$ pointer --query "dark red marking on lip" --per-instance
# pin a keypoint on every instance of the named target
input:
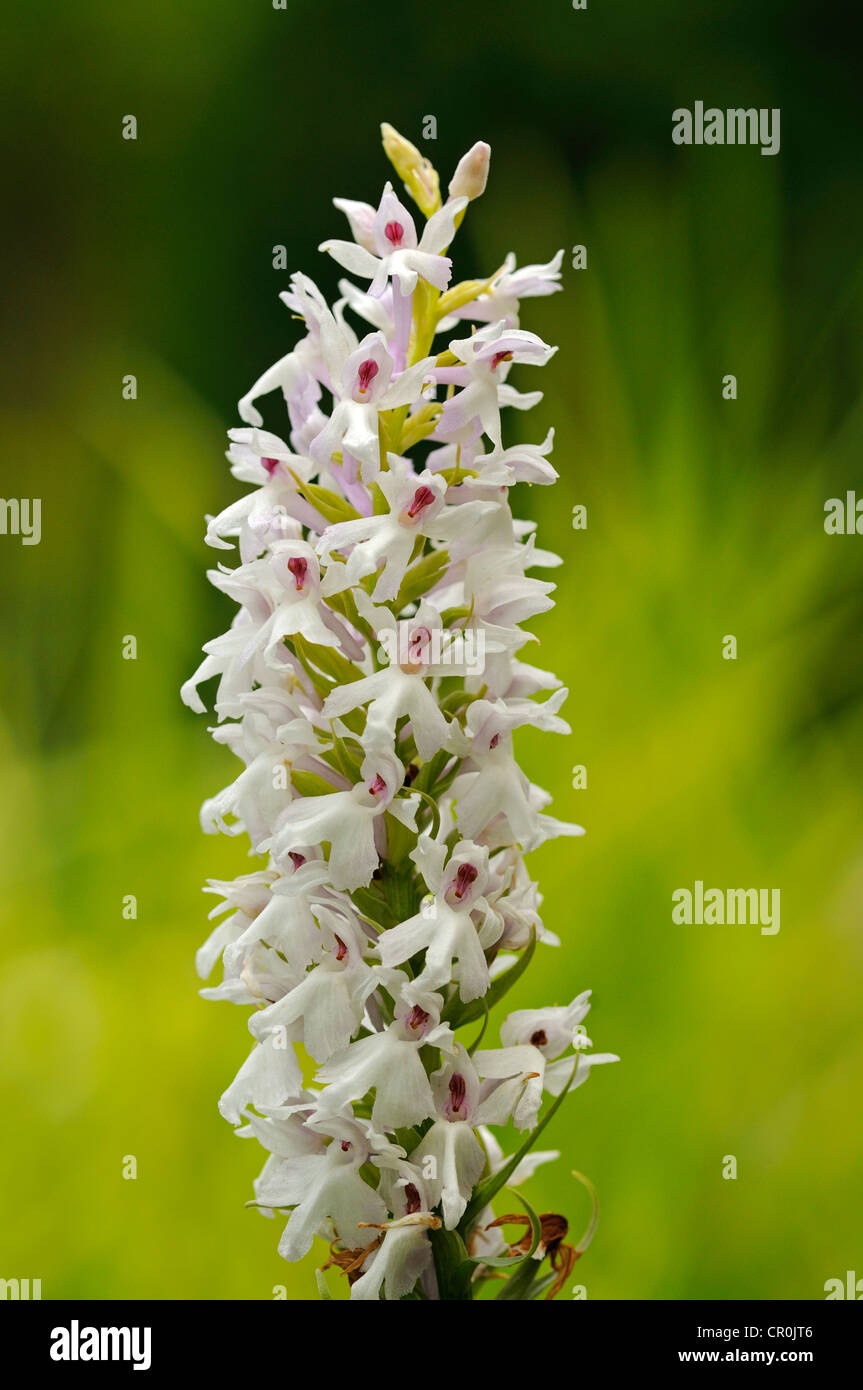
(366, 374)
(465, 876)
(457, 1091)
(298, 568)
(423, 497)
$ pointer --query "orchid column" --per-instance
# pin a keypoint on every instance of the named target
(370, 684)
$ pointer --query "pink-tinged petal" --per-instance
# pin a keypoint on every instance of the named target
(368, 370)
(440, 228)
(404, 1257)
(519, 400)
(437, 270)
(408, 384)
(352, 257)
(394, 228)
(284, 373)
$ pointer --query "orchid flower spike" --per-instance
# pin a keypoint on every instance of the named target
(370, 686)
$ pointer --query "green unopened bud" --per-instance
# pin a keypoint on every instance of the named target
(418, 174)
(463, 293)
(471, 175)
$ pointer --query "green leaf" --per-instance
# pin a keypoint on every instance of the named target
(309, 783)
(512, 1261)
(348, 763)
(539, 1286)
(478, 1039)
(452, 1266)
(322, 1286)
(452, 615)
(329, 504)
(326, 660)
(456, 700)
(400, 841)
(454, 476)
(457, 1014)
(520, 1280)
(380, 505)
(373, 907)
(594, 1215)
(487, 1190)
(408, 1138)
(431, 771)
(345, 604)
(435, 826)
(421, 577)
(398, 882)
(496, 1261)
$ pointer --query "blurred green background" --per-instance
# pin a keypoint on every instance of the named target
(705, 518)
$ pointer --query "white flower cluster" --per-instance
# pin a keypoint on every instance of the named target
(370, 684)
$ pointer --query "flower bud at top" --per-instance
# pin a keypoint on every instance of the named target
(471, 175)
(418, 174)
